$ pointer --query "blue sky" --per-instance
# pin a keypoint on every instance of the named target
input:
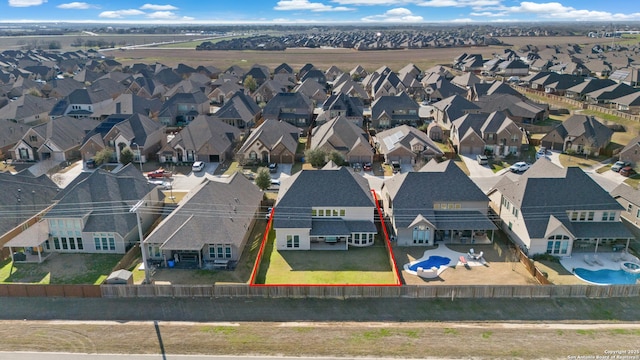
(318, 11)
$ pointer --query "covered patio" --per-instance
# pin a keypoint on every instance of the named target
(601, 236)
(31, 241)
(464, 227)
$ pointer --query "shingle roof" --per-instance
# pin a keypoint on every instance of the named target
(339, 134)
(206, 130)
(66, 132)
(405, 136)
(415, 193)
(105, 199)
(543, 191)
(316, 188)
(216, 212)
(271, 133)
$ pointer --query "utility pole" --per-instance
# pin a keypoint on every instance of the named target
(136, 210)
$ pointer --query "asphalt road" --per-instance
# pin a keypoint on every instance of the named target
(282, 310)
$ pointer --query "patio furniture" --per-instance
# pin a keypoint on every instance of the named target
(597, 260)
(429, 273)
(588, 260)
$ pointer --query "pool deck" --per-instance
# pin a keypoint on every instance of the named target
(443, 251)
(609, 260)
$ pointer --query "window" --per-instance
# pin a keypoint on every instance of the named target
(557, 244)
(327, 212)
(420, 234)
(514, 138)
(583, 215)
(33, 138)
(436, 206)
(342, 212)
(314, 212)
(590, 216)
(490, 136)
(638, 213)
(451, 206)
(96, 240)
(335, 212)
(605, 216)
(65, 245)
(72, 243)
(510, 225)
(253, 155)
(56, 243)
(515, 212)
(227, 251)
(320, 212)
(219, 252)
(293, 241)
(612, 216)
(80, 244)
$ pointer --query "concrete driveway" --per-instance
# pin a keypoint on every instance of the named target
(609, 180)
(475, 169)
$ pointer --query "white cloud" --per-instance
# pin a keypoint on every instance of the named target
(555, 10)
(459, 3)
(394, 15)
(467, 20)
(488, 14)
(77, 6)
(118, 14)
(26, 3)
(287, 5)
(162, 15)
(155, 7)
(187, 18)
(372, 2)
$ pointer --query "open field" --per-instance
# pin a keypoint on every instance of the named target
(354, 339)
(345, 59)
(16, 42)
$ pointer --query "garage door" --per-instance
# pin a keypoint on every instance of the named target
(471, 150)
(214, 158)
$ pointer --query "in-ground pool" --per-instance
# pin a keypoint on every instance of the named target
(607, 276)
(430, 262)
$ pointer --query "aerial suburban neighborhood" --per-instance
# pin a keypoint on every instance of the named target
(511, 173)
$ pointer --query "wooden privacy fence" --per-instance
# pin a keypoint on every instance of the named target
(345, 292)
(43, 290)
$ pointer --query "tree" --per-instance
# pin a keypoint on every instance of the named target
(263, 178)
(316, 157)
(250, 83)
(103, 156)
(336, 157)
(126, 156)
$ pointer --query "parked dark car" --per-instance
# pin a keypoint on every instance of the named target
(367, 167)
(273, 167)
(395, 166)
(91, 164)
(626, 171)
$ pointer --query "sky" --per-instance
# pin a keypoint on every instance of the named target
(317, 11)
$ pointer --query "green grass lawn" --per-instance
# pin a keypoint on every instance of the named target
(633, 181)
(368, 265)
(61, 269)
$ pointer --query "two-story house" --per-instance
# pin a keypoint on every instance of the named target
(437, 203)
(312, 213)
(294, 108)
(557, 211)
(480, 133)
(391, 111)
(579, 133)
(406, 145)
(272, 141)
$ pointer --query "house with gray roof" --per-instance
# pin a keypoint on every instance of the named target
(294, 108)
(629, 198)
(92, 214)
(608, 94)
(141, 135)
(557, 211)
(203, 139)
(272, 141)
(580, 91)
(391, 111)
(267, 90)
(494, 133)
(182, 108)
(58, 140)
(10, 134)
(342, 135)
(327, 209)
(212, 236)
(28, 109)
(631, 151)
(628, 103)
(517, 108)
(239, 111)
(341, 104)
(453, 210)
(24, 196)
(82, 103)
(580, 133)
(313, 90)
(406, 145)
(129, 104)
(451, 108)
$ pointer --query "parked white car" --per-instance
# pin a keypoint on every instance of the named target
(197, 166)
(519, 167)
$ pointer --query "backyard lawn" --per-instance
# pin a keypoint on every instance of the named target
(61, 269)
(368, 265)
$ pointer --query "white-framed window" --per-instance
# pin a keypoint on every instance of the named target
(557, 244)
(420, 234)
(104, 242)
(293, 241)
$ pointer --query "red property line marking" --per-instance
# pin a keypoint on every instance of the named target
(387, 242)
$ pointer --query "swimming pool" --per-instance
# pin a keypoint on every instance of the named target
(430, 262)
(607, 276)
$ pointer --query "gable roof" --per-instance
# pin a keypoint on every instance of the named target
(206, 130)
(26, 106)
(103, 198)
(405, 136)
(339, 134)
(455, 106)
(215, 212)
(317, 188)
(271, 133)
(587, 126)
(239, 106)
(547, 190)
(137, 128)
(390, 103)
(446, 183)
(66, 132)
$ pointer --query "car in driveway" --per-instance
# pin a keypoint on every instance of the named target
(367, 167)
(626, 171)
(543, 153)
(273, 167)
(159, 174)
(395, 166)
(268, 214)
(619, 165)
(197, 166)
(519, 167)
(482, 159)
